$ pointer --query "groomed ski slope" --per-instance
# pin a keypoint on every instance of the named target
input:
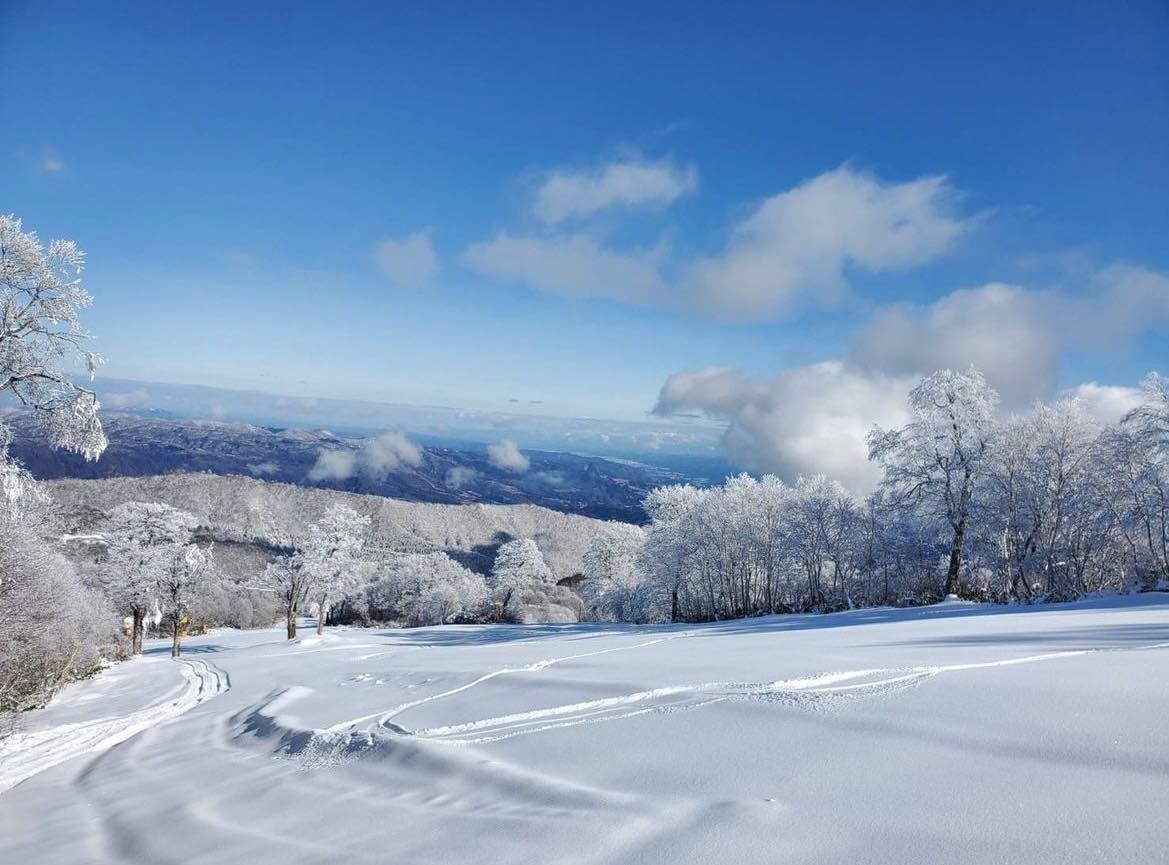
(953, 734)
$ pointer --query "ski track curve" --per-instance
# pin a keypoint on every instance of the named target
(384, 719)
(680, 697)
(23, 755)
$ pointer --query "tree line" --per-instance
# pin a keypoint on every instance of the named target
(1048, 504)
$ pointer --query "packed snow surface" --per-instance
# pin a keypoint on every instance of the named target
(954, 733)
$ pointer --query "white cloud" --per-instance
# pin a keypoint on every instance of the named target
(1006, 331)
(409, 261)
(575, 265)
(387, 453)
(506, 455)
(217, 412)
(1122, 300)
(333, 465)
(567, 195)
(1016, 336)
(265, 468)
(459, 476)
(129, 399)
(797, 244)
(1104, 402)
(793, 248)
(374, 458)
(803, 421)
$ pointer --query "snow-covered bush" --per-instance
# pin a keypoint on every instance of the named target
(52, 628)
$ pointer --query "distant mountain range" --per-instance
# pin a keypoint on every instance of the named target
(143, 445)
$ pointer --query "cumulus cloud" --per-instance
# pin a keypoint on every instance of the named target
(375, 458)
(387, 453)
(796, 245)
(800, 422)
(793, 248)
(1016, 336)
(1105, 402)
(261, 469)
(567, 195)
(506, 455)
(575, 265)
(128, 399)
(408, 261)
(459, 476)
(1004, 330)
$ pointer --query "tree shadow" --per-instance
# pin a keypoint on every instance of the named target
(188, 649)
(936, 612)
(1119, 636)
(487, 635)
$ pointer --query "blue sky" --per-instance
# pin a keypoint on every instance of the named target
(233, 173)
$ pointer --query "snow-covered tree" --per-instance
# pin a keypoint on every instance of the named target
(332, 554)
(426, 589)
(614, 586)
(936, 461)
(1150, 420)
(185, 570)
(670, 545)
(140, 544)
(519, 566)
(52, 627)
(40, 337)
(820, 529)
(291, 580)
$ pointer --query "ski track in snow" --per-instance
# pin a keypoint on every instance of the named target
(679, 697)
(23, 755)
(384, 719)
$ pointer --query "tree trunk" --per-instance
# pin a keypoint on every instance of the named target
(291, 621)
(955, 561)
(321, 615)
(674, 606)
(136, 631)
(176, 647)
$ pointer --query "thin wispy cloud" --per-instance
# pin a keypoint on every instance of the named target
(792, 250)
(566, 195)
(573, 265)
(53, 163)
(410, 261)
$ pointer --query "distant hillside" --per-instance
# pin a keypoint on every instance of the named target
(593, 486)
(249, 519)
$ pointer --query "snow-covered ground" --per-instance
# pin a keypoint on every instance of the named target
(946, 734)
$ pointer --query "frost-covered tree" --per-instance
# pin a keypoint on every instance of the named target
(614, 586)
(426, 589)
(820, 527)
(671, 546)
(141, 542)
(519, 566)
(291, 580)
(936, 461)
(332, 553)
(1150, 420)
(40, 337)
(184, 571)
(52, 627)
